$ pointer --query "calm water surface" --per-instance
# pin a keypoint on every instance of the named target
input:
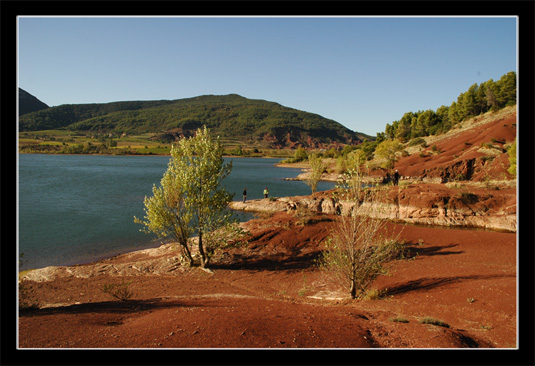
(74, 209)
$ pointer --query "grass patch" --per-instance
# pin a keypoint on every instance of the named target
(433, 321)
(398, 319)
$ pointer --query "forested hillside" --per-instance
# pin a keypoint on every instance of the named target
(229, 116)
(478, 99)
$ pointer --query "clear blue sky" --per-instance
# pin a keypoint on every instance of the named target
(363, 72)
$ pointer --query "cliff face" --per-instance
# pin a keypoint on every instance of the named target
(427, 204)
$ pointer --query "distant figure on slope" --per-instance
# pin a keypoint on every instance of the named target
(266, 192)
(396, 177)
(244, 195)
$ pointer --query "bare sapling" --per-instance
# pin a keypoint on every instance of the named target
(360, 246)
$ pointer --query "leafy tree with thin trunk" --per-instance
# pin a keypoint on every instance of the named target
(191, 200)
(389, 151)
(317, 166)
(360, 246)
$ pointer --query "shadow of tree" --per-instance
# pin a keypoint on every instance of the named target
(424, 284)
(273, 262)
(117, 307)
(413, 250)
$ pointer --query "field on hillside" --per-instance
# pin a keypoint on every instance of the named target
(72, 142)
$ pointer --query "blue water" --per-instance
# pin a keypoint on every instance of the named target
(75, 209)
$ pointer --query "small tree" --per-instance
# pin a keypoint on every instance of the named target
(389, 150)
(317, 167)
(166, 214)
(359, 248)
(191, 200)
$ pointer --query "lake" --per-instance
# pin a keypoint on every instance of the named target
(74, 209)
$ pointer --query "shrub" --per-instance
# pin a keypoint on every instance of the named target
(360, 247)
(399, 320)
(417, 141)
(120, 291)
(433, 321)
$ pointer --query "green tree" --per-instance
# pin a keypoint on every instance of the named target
(366, 149)
(444, 125)
(317, 167)
(491, 94)
(389, 150)
(390, 130)
(507, 86)
(300, 154)
(453, 114)
(191, 200)
(166, 214)
(467, 103)
(403, 131)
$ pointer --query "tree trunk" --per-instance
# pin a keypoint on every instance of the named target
(353, 290)
(187, 254)
(201, 251)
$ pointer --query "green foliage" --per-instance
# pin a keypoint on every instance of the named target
(399, 320)
(167, 216)
(191, 200)
(418, 141)
(120, 291)
(433, 321)
(225, 115)
(488, 96)
(299, 155)
(366, 150)
(317, 166)
(389, 150)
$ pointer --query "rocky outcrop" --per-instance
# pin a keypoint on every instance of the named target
(161, 260)
(426, 204)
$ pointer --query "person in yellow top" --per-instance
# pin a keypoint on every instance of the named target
(266, 192)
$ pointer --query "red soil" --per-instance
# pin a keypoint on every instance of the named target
(271, 295)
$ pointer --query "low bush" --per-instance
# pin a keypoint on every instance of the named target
(120, 291)
(433, 321)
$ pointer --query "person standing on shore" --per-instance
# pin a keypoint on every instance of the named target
(396, 177)
(244, 195)
(266, 192)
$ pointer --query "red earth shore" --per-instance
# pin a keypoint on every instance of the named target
(271, 294)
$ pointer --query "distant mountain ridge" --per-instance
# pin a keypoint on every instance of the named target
(250, 121)
(28, 103)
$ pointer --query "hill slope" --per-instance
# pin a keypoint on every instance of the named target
(474, 151)
(28, 103)
(230, 116)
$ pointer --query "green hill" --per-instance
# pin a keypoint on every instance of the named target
(247, 121)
